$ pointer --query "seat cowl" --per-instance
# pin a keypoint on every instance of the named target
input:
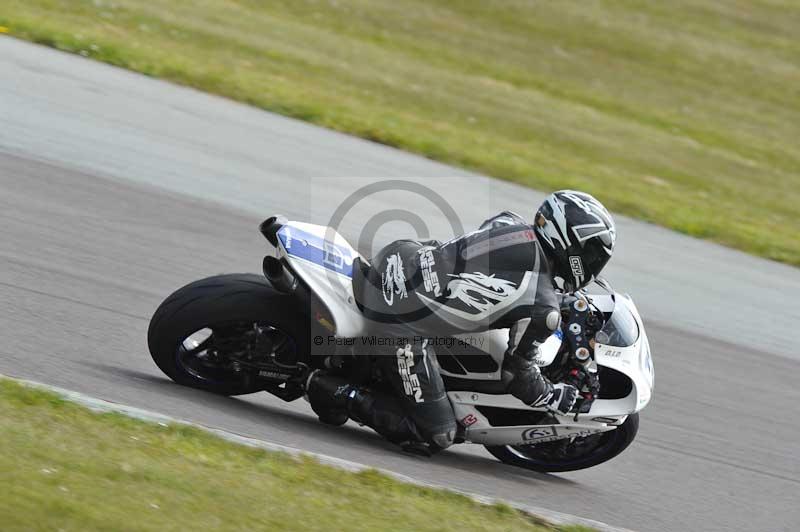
(324, 259)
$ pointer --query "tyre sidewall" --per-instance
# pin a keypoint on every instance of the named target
(224, 298)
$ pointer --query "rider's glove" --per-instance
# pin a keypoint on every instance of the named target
(526, 383)
(563, 399)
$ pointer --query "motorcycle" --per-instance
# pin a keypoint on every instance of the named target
(244, 333)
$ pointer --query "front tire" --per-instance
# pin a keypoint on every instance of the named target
(561, 455)
(219, 305)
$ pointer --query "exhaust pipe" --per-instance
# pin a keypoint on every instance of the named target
(270, 227)
(280, 277)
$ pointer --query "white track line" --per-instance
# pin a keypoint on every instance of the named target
(101, 405)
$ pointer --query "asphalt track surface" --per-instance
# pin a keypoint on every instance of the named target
(115, 189)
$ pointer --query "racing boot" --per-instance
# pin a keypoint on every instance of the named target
(328, 396)
(334, 400)
(385, 415)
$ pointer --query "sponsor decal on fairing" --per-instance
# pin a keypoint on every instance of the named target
(538, 433)
(332, 256)
(469, 420)
(551, 433)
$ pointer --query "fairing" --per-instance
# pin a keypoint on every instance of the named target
(633, 360)
(324, 261)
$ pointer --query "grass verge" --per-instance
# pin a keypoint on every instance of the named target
(684, 113)
(66, 468)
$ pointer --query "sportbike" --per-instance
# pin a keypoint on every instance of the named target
(244, 333)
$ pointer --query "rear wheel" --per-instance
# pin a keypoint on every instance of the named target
(569, 454)
(215, 333)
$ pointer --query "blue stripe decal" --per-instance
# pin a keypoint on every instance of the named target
(313, 248)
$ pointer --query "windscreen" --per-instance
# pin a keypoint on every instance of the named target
(621, 329)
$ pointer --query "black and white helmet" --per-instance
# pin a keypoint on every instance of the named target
(578, 235)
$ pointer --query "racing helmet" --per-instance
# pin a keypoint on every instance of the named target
(577, 234)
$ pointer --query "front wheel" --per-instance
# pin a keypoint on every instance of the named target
(569, 455)
(215, 334)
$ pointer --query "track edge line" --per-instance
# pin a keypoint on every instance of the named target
(101, 405)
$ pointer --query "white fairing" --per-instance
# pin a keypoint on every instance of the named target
(495, 342)
(634, 361)
(324, 260)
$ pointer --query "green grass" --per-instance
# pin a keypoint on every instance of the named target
(66, 468)
(683, 113)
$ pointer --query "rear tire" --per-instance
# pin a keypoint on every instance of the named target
(222, 299)
(540, 458)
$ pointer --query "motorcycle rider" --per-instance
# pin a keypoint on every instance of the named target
(507, 274)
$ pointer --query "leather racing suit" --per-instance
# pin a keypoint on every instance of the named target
(495, 277)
